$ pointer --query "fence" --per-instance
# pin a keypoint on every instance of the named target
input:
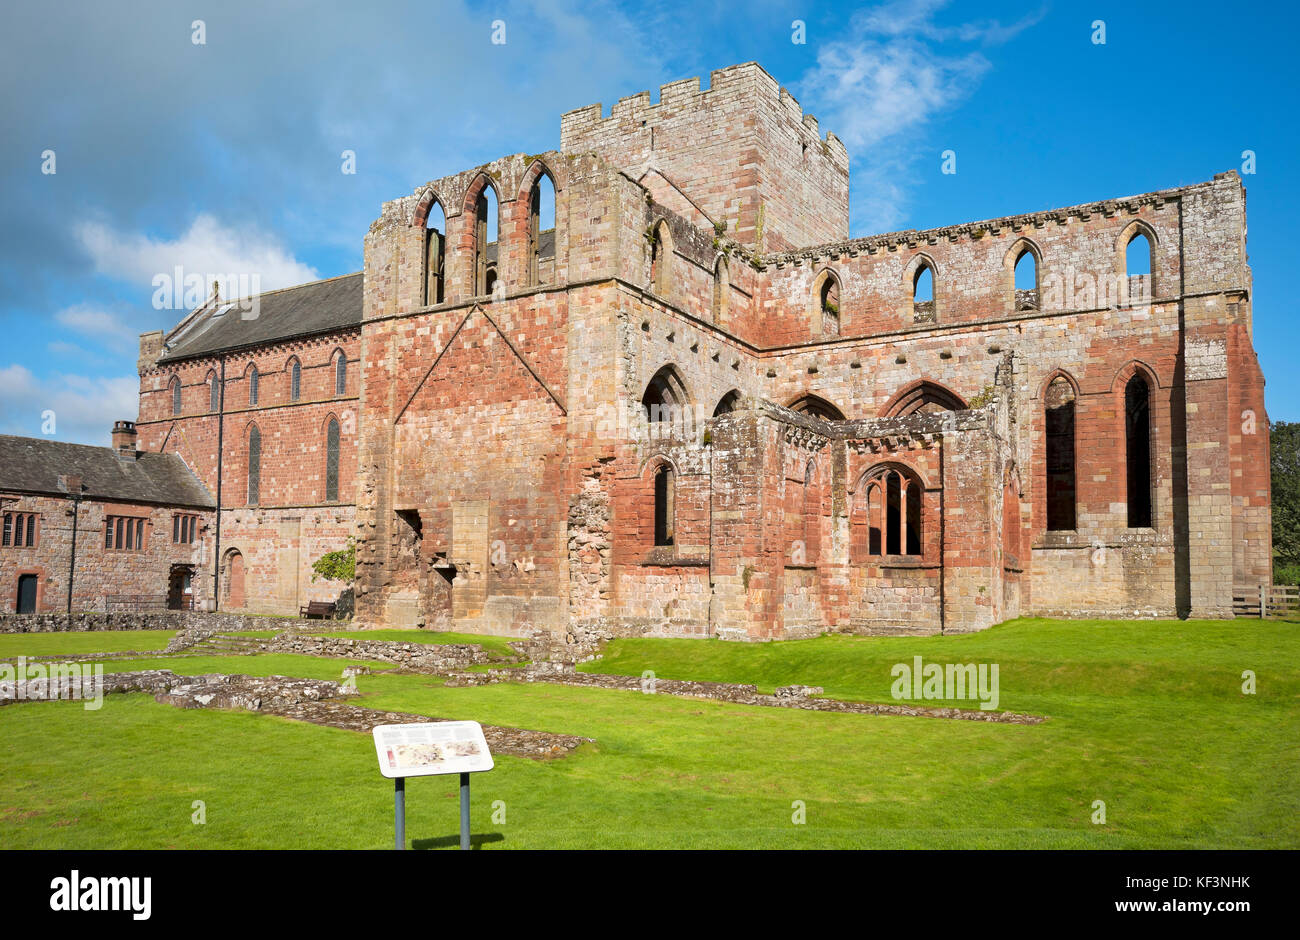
(1266, 600)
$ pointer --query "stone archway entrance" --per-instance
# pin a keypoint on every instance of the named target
(234, 581)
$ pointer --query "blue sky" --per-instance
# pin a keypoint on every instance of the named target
(225, 156)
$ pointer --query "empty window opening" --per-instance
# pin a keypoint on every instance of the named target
(926, 397)
(828, 302)
(923, 295)
(1137, 423)
(893, 514)
(486, 218)
(1137, 263)
(820, 407)
(665, 397)
(664, 496)
(1059, 416)
(410, 532)
(892, 519)
(541, 231)
(875, 545)
(1026, 281)
(727, 403)
(435, 255)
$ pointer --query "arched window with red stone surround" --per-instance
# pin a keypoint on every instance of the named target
(663, 520)
(887, 514)
(332, 460)
(1137, 449)
(812, 513)
(1060, 459)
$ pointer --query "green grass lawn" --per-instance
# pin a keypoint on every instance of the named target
(1148, 717)
(75, 644)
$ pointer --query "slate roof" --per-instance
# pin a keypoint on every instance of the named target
(318, 307)
(34, 465)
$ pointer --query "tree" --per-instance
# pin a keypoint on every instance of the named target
(336, 566)
(1285, 460)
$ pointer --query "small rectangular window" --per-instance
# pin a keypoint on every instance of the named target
(124, 533)
(20, 530)
(184, 527)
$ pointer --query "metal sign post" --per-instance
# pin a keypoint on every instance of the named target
(464, 812)
(399, 798)
(431, 749)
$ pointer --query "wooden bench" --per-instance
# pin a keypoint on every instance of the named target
(322, 609)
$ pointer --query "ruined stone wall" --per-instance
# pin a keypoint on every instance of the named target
(1080, 254)
(741, 151)
(99, 571)
(143, 620)
(514, 420)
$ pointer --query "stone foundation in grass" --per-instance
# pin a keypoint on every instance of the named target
(314, 701)
(142, 620)
(736, 694)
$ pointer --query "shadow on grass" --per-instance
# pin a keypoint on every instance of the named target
(453, 842)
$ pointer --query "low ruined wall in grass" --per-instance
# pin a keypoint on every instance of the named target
(154, 620)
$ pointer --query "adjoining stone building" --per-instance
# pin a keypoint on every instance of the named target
(261, 399)
(141, 526)
(694, 406)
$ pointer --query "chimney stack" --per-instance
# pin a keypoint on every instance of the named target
(124, 435)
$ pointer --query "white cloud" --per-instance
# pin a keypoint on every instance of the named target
(884, 82)
(84, 408)
(88, 322)
(207, 248)
(914, 17)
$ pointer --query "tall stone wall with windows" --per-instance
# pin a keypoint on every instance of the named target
(698, 408)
